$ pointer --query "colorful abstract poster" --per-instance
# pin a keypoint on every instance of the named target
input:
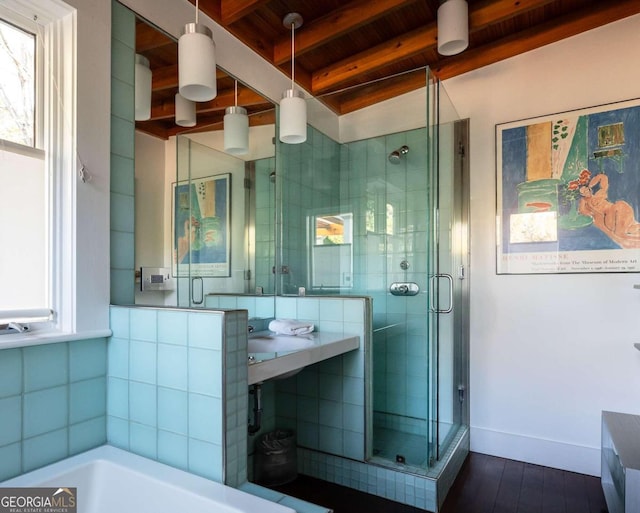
(568, 192)
(201, 227)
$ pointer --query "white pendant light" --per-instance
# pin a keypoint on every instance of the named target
(236, 128)
(293, 108)
(197, 62)
(142, 89)
(185, 111)
(453, 27)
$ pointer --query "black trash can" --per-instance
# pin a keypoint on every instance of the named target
(275, 461)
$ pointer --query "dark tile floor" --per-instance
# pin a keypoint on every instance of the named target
(486, 484)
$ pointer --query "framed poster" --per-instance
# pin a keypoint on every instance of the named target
(201, 227)
(568, 192)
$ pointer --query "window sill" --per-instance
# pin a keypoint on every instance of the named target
(35, 338)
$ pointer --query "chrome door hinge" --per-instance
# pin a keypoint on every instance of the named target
(461, 393)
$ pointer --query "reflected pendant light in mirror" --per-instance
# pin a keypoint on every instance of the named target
(453, 27)
(142, 89)
(185, 111)
(293, 108)
(236, 128)
(197, 62)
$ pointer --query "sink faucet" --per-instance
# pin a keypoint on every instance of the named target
(250, 328)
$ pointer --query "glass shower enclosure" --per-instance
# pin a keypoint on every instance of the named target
(386, 217)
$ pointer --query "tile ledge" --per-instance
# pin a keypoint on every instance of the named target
(49, 337)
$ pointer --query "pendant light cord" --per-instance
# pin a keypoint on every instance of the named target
(293, 55)
(236, 91)
(197, 11)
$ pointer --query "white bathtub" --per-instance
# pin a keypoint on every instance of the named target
(110, 480)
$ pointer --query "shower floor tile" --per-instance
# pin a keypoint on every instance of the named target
(389, 444)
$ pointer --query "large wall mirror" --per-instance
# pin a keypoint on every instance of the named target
(205, 219)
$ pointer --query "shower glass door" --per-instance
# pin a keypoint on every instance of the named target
(448, 262)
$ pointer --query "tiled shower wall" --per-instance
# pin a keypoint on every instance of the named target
(324, 403)
(52, 403)
(122, 154)
(390, 208)
(390, 214)
(309, 183)
(174, 377)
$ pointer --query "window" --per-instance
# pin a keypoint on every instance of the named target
(35, 163)
(17, 84)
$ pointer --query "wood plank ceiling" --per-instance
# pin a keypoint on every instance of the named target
(352, 54)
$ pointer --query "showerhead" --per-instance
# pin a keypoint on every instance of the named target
(396, 156)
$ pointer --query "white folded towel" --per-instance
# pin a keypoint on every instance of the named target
(290, 327)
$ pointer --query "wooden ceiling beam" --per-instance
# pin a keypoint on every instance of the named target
(381, 91)
(267, 117)
(384, 54)
(166, 109)
(210, 7)
(541, 35)
(233, 10)
(149, 38)
(152, 128)
(495, 11)
(335, 24)
(415, 42)
(166, 77)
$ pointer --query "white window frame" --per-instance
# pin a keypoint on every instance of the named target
(56, 133)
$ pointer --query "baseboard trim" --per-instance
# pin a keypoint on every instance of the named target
(550, 453)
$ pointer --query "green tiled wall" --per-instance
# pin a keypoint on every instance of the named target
(325, 403)
(309, 182)
(122, 154)
(370, 183)
(52, 403)
(173, 376)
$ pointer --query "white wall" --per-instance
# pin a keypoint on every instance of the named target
(548, 352)
(150, 209)
(150, 200)
(91, 217)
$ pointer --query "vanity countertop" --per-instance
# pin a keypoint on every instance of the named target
(279, 364)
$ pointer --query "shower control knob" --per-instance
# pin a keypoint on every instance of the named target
(404, 289)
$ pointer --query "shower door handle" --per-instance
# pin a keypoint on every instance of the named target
(432, 293)
(193, 290)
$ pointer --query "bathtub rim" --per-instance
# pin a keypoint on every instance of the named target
(198, 485)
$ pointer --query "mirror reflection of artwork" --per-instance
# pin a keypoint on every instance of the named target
(201, 227)
(569, 192)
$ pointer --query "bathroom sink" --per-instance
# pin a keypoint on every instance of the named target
(273, 356)
(278, 343)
